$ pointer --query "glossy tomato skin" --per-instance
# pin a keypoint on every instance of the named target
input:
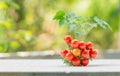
(85, 54)
(89, 45)
(68, 39)
(64, 52)
(69, 56)
(84, 62)
(75, 43)
(76, 52)
(82, 45)
(76, 61)
(93, 53)
(79, 52)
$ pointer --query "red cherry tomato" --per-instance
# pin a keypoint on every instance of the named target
(64, 52)
(76, 61)
(93, 53)
(69, 56)
(75, 43)
(89, 45)
(82, 45)
(85, 54)
(84, 62)
(68, 39)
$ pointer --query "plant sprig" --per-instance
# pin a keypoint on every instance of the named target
(78, 24)
(67, 62)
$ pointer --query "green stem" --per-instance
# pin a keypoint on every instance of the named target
(69, 48)
(75, 35)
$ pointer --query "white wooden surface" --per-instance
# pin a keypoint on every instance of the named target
(56, 65)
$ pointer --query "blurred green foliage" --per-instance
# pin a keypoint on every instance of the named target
(27, 25)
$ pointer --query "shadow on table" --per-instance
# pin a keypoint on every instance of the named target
(60, 74)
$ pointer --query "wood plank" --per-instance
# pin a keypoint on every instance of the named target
(57, 66)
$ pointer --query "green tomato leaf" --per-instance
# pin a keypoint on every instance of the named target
(59, 15)
(67, 62)
(78, 34)
(78, 18)
(98, 21)
(62, 22)
(87, 27)
(105, 23)
(71, 27)
(79, 25)
(102, 23)
(71, 16)
(92, 24)
(88, 18)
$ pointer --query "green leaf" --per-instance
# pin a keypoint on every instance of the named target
(79, 25)
(62, 22)
(99, 22)
(71, 16)
(102, 23)
(105, 23)
(89, 18)
(78, 18)
(59, 15)
(92, 25)
(78, 34)
(86, 28)
(67, 62)
(71, 27)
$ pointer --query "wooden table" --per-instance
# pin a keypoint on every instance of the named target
(55, 67)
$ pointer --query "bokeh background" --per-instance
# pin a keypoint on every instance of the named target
(28, 25)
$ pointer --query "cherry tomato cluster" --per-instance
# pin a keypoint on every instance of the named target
(79, 53)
